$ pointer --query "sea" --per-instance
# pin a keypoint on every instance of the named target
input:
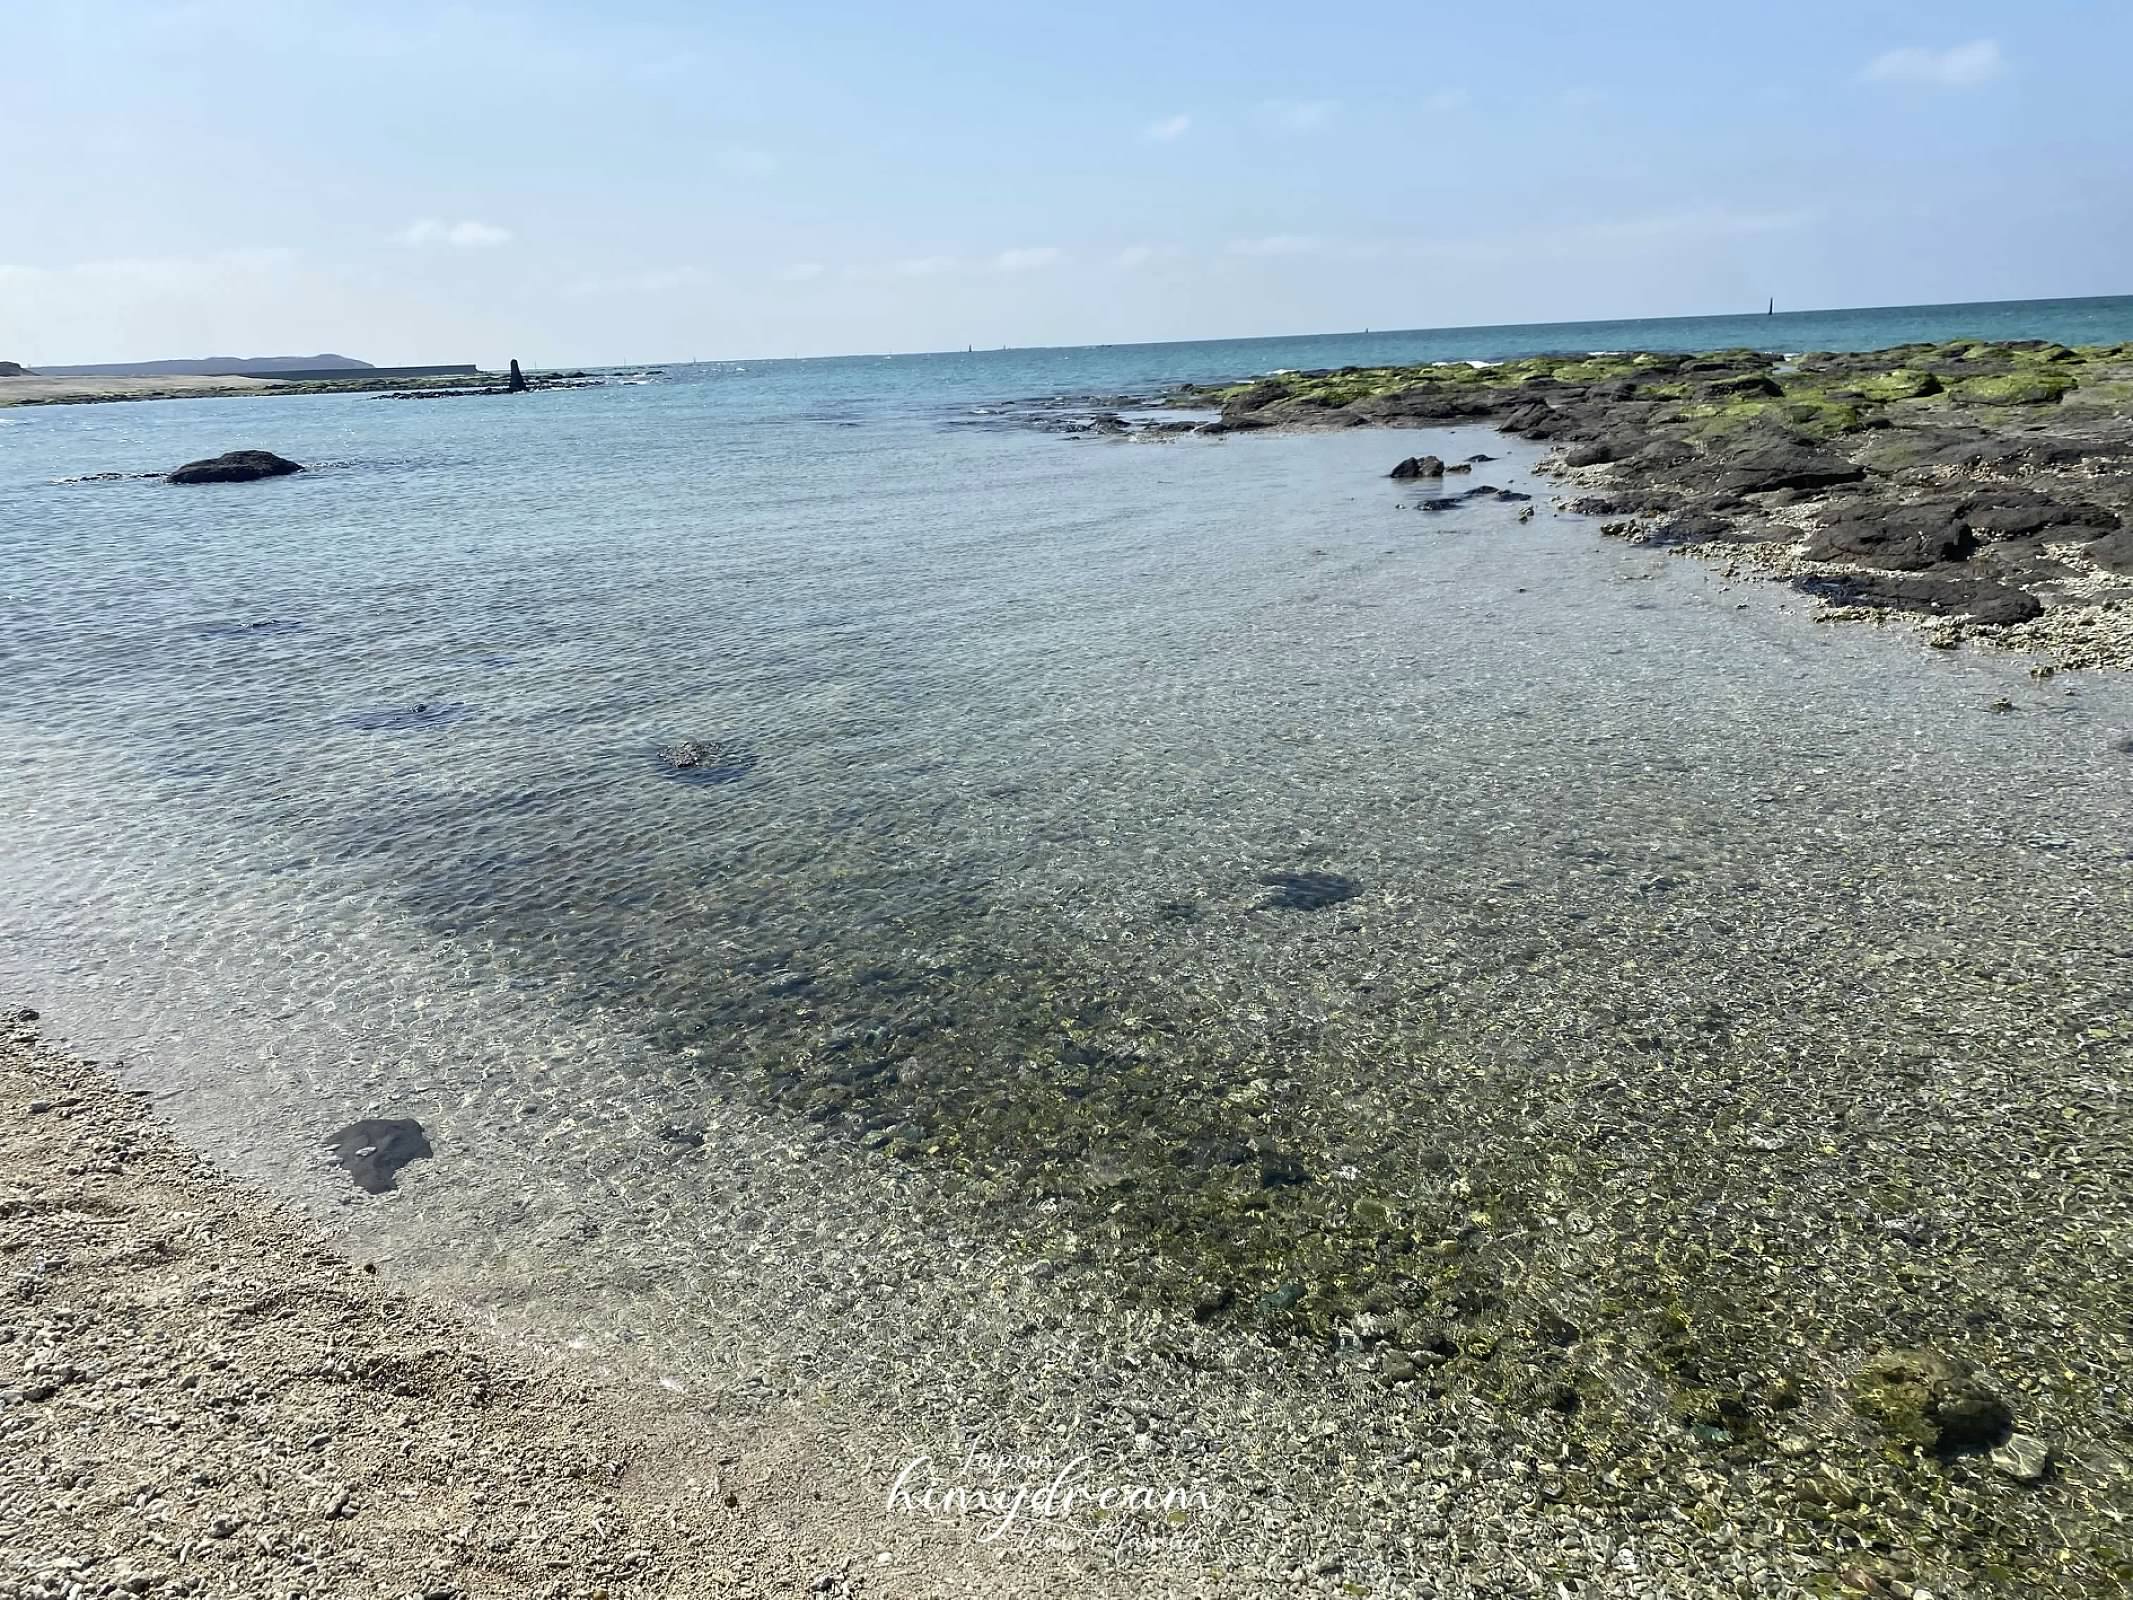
(755, 815)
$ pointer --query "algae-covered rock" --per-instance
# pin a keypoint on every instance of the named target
(1929, 1400)
(2031, 388)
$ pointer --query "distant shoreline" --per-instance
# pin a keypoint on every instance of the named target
(33, 390)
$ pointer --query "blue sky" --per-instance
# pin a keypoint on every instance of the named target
(645, 179)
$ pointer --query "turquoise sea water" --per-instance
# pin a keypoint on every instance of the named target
(875, 384)
(340, 796)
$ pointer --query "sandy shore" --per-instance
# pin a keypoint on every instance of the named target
(200, 1395)
(39, 391)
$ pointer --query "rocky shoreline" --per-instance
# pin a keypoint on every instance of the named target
(1981, 489)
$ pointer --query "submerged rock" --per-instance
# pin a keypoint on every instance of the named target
(1419, 467)
(2024, 1458)
(238, 466)
(705, 761)
(1307, 891)
(376, 1148)
(1930, 1400)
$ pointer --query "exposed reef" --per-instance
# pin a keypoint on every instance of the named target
(1996, 479)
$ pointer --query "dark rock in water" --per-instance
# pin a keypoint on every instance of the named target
(1279, 1170)
(516, 383)
(1475, 460)
(1460, 466)
(1419, 467)
(1973, 599)
(374, 1149)
(1924, 1398)
(705, 761)
(407, 719)
(239, 466)
(1307, 891)
(264, 627)
(1785, 464)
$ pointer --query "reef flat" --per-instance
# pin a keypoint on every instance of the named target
(1982, 489)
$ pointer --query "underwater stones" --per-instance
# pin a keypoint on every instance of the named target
(1930, 1400)
(1211, 1300)
(1280, 1170)
(238, 466)
(1418, 467)
(406, 719)
(1307, 891)
(704, 761)
(376, 1148)
(2023, 1457)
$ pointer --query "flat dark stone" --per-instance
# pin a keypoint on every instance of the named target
(239, 466)
(1972, 598)
(1307, 891)
(407, 719)
(376, 1148)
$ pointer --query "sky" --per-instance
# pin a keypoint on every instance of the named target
(648, 180)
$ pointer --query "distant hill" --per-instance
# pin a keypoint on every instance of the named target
(15, 369)
(211, 367)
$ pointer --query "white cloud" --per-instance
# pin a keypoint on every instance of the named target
(745, 163)
(455, 235)
(1027, 259)
(1168, 128)
(1299, 116)
(1962, 66)
(1447, 100)
(1277, 244)
(803, 272)
(923, 266)
(1142, 255)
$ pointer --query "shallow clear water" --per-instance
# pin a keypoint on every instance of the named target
(339, 796)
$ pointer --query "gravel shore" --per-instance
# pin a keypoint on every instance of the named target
(199, 1395)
